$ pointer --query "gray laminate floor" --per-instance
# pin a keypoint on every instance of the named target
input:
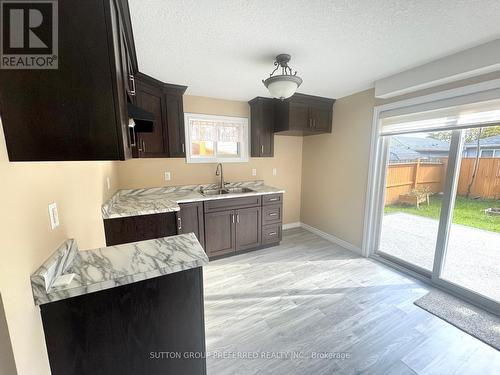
(275, 311)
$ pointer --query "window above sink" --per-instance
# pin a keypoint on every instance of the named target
(216, 139)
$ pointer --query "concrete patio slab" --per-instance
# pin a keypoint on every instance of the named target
(472, 259)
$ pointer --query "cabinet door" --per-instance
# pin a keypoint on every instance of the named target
(122, 80)
(321, 117)
(299, 116)
(149, 98)
(175, 125)
(77, 112)
(248, 228)
(190, 219)
(262, 127)
(128, 72)
(266, 129)
(219, 233)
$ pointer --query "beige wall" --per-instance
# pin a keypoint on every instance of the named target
(335, 170)
(26, 239)
(287, 160)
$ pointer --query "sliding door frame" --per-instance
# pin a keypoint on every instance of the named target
(374, 207)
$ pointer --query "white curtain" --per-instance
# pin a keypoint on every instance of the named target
(205, 130)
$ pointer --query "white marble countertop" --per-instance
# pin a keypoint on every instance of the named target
(112, 266)
(138, 202)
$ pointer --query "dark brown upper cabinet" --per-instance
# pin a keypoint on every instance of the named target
(149, 96)
(175, 121)
(78, 111)
(164, 101)
(262, 127)
(303, 115)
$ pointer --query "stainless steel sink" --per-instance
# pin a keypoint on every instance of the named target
(214, 192)
(239, 190)
(235, 190)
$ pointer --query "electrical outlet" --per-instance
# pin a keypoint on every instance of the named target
(275, 172)
(54, 216)
(108, 183)
(168, 176)
(254, 172)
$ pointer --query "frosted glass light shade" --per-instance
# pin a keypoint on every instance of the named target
(282, 86)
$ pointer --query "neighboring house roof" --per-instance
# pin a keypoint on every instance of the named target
(411, 148)
(422, 144)
(493, 141)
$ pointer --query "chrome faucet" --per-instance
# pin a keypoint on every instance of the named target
(219, 172)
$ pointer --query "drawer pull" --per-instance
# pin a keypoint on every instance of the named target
(273, 214)
(272, 234)
(273, 199)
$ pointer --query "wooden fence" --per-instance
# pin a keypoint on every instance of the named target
(404, 177)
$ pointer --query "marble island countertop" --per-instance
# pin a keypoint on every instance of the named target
(138, 202)
(90, 271)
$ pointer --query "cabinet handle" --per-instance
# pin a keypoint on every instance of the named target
(273, 199)
(182, 147)
(261, 149)
(133, 141)
(143, 146)
(132, 79)
(310, 122)
(273, 214)
(232, 217)
(179, 221)
(272, 234)
(238, 218)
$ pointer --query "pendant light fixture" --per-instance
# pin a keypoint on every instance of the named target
(284, 85)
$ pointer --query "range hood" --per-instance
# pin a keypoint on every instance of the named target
(142, 121)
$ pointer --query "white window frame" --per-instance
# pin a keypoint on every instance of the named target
(244, 147)
(488, 149)
(375, 193)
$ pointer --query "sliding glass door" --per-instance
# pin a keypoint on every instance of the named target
(438, 210)
(471, 259)
(415, 175)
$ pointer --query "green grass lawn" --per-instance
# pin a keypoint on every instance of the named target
(468, 212)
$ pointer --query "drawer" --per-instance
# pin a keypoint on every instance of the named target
(232, 203)
(271, 233)
(272, 214)
(268, 199)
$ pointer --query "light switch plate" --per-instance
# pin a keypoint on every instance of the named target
(275, 172)
(254, 172)
(168, 176)
(54, 215)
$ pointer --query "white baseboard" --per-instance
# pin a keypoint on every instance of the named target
(291, 225)
(332, 238)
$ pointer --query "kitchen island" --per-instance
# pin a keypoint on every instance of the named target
(115, 310)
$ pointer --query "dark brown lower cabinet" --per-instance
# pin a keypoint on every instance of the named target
(139, 228)
(220, 233)
(271, 234)
(248, 228)
(222, 226)
(125, 330)
(232, 230)
(190, 219)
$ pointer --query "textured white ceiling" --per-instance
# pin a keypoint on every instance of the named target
(224, 48)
